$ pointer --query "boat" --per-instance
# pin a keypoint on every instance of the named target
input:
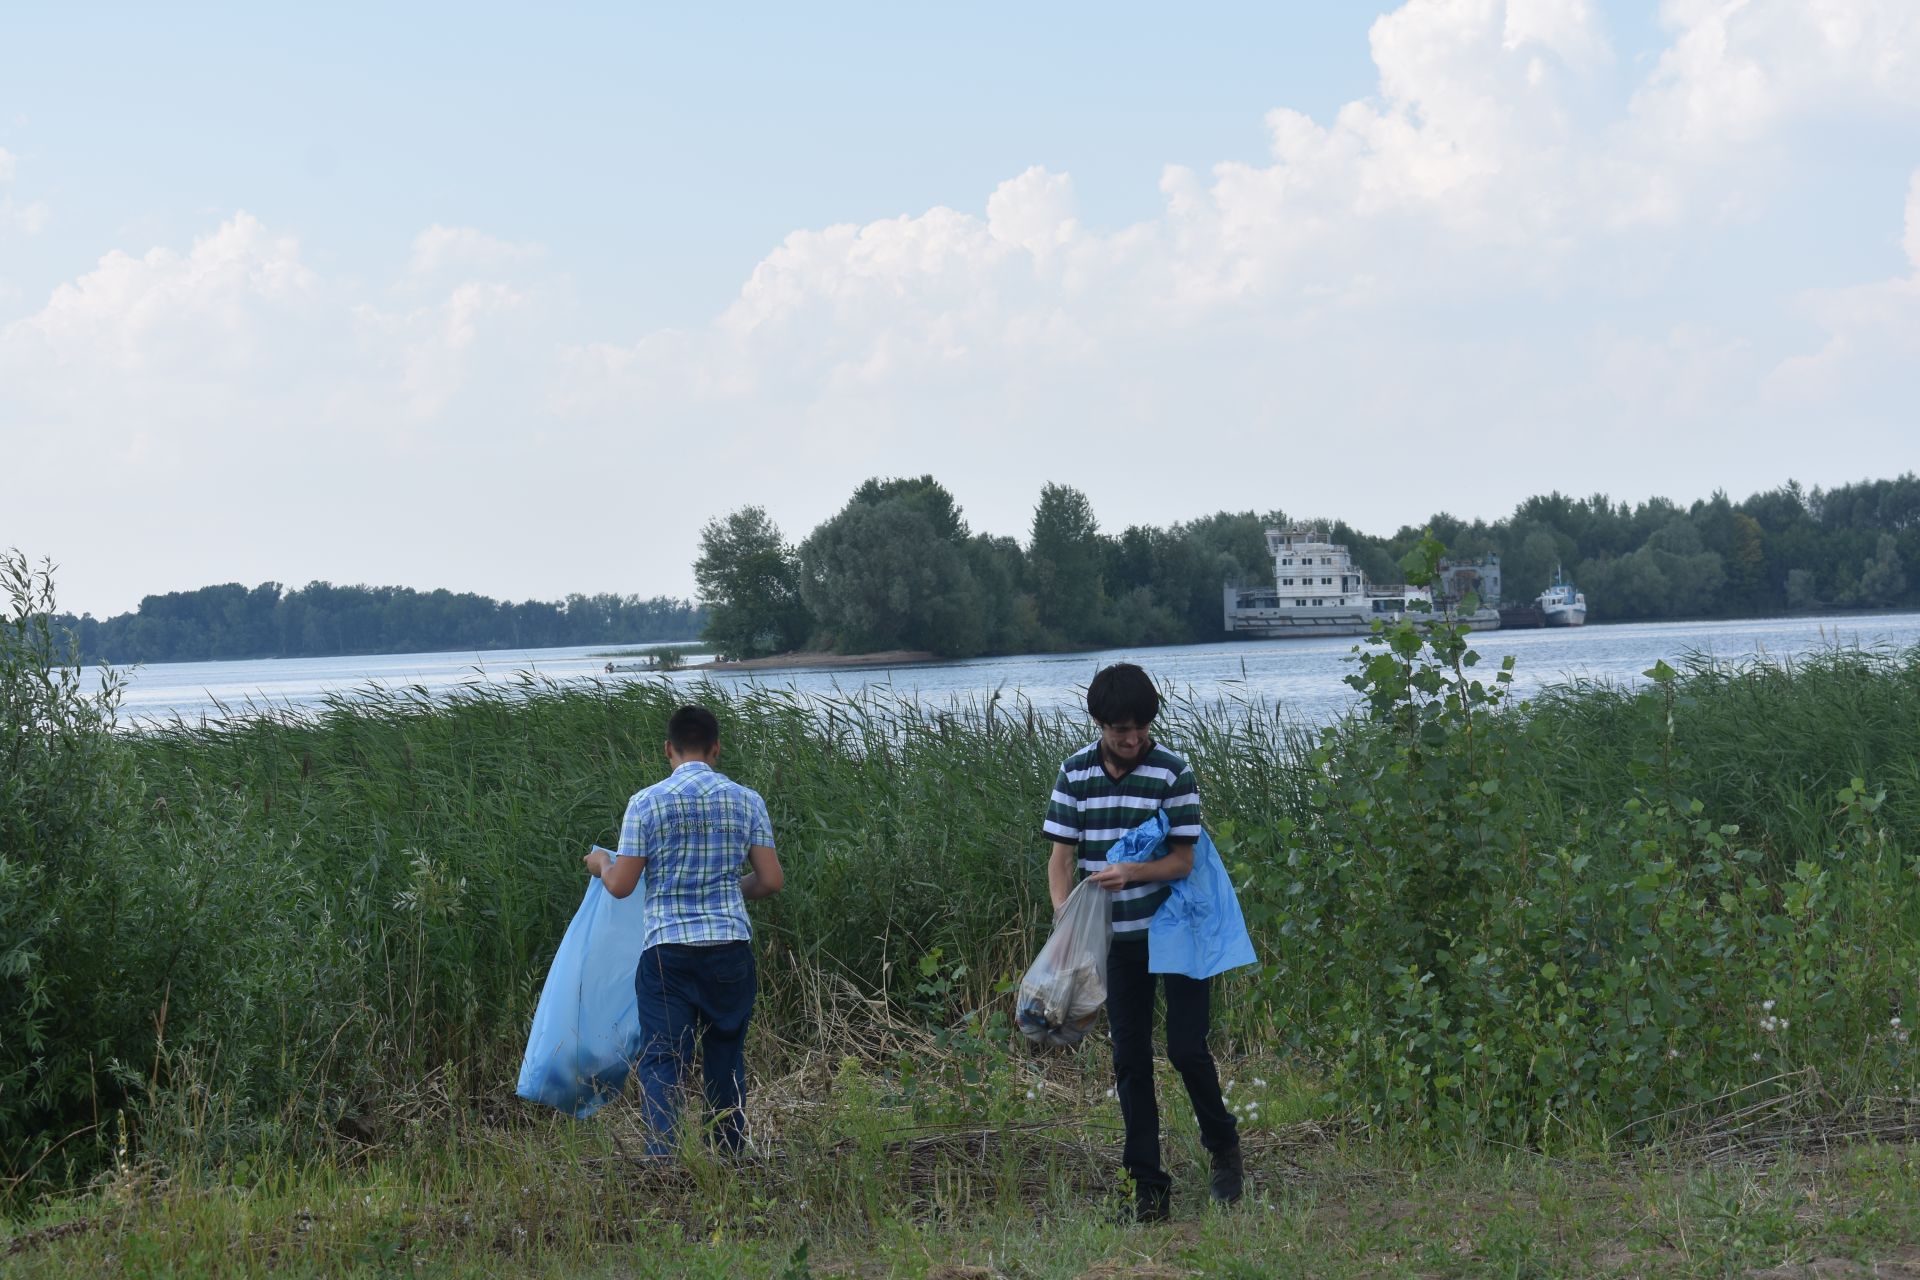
(1317, 591)
(1562, 604)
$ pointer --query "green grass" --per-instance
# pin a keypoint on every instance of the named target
(564, 1200)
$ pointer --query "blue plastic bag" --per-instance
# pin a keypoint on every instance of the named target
(1198, 931)
(586, 1027)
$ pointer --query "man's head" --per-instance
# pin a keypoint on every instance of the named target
(1123, 702)
(692, 734)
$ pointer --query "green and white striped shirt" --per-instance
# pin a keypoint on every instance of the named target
(1091, 809)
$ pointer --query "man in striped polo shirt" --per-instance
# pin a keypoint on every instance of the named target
(692, 834)
(1104, 790)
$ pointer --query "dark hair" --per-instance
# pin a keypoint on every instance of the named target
(692, 731)
(1122, 692)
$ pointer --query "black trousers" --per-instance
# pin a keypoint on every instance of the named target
(1130, 992)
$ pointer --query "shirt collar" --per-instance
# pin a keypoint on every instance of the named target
(691, 764)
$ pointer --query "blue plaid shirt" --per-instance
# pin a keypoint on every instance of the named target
(693, 829)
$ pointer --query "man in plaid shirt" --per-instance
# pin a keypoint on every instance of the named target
(691, 834)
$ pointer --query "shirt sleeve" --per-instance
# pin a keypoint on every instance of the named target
(759, 825)
(1182, 807)
(633, 828)
(1063, 813)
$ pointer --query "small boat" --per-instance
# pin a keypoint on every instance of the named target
(1562, 604)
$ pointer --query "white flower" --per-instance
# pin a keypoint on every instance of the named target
(1673, 1053)
(1030, 1094)
(1258, 1083)
(1894, 1021)
(1766, 1006)
(1756, 1057)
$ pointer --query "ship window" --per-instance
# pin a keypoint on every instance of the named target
(1326, 582)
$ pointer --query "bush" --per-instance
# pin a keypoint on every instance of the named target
(1481, 942)
(146, 946)
(65, 786)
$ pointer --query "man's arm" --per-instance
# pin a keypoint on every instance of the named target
(1175, 864)
(1060, 866)
(1062, 826)
(766, 878)
(618, 876)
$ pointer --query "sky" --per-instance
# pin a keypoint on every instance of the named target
(514, 300)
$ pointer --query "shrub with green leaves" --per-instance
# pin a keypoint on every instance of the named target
(65, 786)
(1479, 942)
(143, 939)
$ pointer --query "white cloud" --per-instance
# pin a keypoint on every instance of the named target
(167, 308)
(1911, 240)
(1871, 350)
(29, 218)
(1736, 68)
(466, 251)
(431, 348)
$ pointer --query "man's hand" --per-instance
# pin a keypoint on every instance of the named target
(1115, 876)
(618, 876)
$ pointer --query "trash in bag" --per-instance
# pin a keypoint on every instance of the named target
(586, 1027)
(1066, 986)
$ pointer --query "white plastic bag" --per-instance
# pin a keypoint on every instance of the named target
(1066, 986)
(586, 1027)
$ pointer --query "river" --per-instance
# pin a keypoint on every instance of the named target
(1302, 676)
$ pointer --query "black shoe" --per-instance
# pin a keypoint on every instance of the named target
(1151, 1202)
(1229, 1176)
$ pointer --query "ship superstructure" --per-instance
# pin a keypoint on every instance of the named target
(1317, 591)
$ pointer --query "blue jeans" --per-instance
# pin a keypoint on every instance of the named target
(687, 991)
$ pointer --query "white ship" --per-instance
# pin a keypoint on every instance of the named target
(1317, 591)
(1561, 604)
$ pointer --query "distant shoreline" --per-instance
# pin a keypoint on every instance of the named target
(822, 660)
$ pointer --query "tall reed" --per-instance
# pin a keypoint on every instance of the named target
(313, 916)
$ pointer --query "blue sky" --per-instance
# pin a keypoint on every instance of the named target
(512, 301)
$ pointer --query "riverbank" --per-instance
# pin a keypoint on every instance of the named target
(824, 660)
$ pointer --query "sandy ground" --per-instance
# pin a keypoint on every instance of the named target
(821, 661)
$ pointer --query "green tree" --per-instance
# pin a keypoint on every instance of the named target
(749, 580)
(1882, 580)
(891, 571)
(1065, 564)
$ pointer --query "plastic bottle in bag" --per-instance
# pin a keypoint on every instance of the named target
(1066, 986)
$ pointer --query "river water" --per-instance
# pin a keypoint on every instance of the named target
(1302, 676)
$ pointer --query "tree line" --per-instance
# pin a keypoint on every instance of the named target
(323, 620)
(898, 568)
